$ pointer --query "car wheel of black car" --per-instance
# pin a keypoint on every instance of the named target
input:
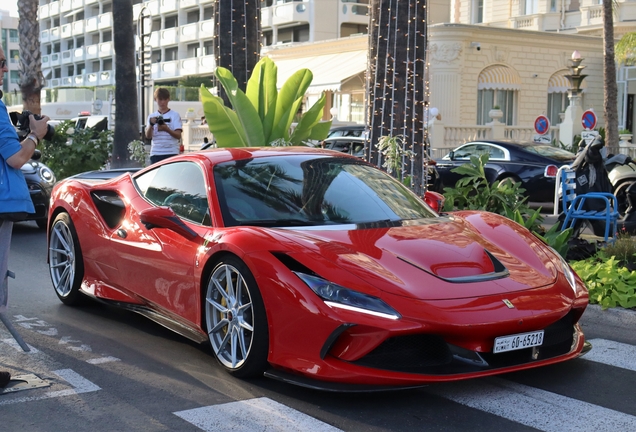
(66, 264)
(621, 195)
(236, 320)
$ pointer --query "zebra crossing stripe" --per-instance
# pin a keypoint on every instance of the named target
(79, 383)
(612, 353)
(260, 414)
(534, 407)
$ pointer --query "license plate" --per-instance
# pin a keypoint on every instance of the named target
(518, 341)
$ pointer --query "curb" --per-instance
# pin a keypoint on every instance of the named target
(616, 317)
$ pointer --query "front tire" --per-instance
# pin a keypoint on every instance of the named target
(621, 196)
(236, 320)
(66, 264)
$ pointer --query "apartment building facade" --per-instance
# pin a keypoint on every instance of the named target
(10, 45)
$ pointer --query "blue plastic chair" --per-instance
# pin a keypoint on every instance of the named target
(574, 205)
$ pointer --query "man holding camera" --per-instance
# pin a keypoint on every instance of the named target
(164, 128)
(15, 199)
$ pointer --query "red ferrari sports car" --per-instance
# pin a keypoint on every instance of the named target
(315, 268)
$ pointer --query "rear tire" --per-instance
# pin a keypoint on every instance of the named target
(66, 264)
(621, 196)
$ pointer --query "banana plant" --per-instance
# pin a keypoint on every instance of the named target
(262, 116)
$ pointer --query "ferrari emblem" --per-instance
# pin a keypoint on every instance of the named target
(508, 303)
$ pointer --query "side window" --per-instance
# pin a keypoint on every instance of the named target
(466, 152)
(495, 153)
(180, 186)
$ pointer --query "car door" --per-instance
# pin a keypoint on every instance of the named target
(158, 264)
(462, 156)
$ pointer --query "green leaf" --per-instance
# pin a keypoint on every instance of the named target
(222, 121)
(262, 92)
(288, 101)
(245, 111)
(308, 120)
(320, 131)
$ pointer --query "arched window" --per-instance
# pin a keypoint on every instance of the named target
(558, 100)
(497, 86)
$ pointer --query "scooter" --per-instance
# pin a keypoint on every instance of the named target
(622, 174)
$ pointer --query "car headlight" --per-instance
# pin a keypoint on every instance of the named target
(569, 274)
(47, 174)
(337, 296)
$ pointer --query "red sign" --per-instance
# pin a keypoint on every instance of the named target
(588, 120)
(542, 125)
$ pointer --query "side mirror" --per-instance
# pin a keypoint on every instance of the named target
(165, 217)
(451, 155)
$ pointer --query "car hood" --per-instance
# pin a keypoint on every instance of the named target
(441, 258)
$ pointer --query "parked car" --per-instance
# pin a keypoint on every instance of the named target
(40, 180)
(346, 131)
(355, 147)
(315, 268)
(533, 165)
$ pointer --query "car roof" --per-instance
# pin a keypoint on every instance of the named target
(349, 127)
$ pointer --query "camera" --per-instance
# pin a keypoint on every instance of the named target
(21, 122)
(160, 120)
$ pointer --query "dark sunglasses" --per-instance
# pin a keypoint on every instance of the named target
(3, 63)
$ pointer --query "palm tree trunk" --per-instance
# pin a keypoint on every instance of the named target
(395, 80)
(126, 115)
(31, 79)
(610, 100)
(237, 39)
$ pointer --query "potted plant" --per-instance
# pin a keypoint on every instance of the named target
(495, 113)
(625, 135)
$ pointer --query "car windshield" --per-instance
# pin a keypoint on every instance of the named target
(306, 190)
(555, 153)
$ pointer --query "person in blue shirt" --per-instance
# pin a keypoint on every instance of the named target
(14, 193)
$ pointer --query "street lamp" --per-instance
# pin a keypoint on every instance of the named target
(575, 77)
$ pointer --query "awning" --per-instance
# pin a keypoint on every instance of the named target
(499, 77)
(330, 70)
(559, 83)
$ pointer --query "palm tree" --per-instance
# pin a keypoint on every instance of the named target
(31, 78)
(237, 38)
(610, 99)
(395, 80)
(126, 116)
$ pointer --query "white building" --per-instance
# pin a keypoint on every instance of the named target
(10, 45)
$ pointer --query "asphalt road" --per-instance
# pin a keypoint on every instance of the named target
(111, 370)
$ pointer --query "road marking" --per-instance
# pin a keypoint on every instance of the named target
(261, 414)
(534, 407)
(79, 383)
(14, 344)
(612, 353)
(103, 360)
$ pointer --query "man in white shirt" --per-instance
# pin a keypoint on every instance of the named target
(164, 128)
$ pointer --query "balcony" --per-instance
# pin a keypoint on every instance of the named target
(92, 52)
(166, 70)
(164, 37)
(91, 24)
(206, 29)
(45, 36)
(78, 28)
(79, 80)
(67, 31)
(105, 21)
(161, 7)
(67, 57)
(44, 11)
(46, 61)
(91, 79)
(66, 5)
(77, 4)
(286, 13)
(54, 8)
(188, 3)
(353, 13)
(66, 81)
(79, 54)
(189, 32)
(54, 34)
(106, 49)
(56, 59)
(106, 78)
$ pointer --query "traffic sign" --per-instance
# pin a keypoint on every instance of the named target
(542, 125)
(588, 136)
(589, 119)
(542, 139)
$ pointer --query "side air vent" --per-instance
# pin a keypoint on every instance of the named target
(110, 206)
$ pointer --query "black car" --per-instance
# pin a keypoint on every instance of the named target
(40, 180)
(355, 146)
(533, 165)
(347, 131)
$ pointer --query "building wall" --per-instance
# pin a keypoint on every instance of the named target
(10, 45)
